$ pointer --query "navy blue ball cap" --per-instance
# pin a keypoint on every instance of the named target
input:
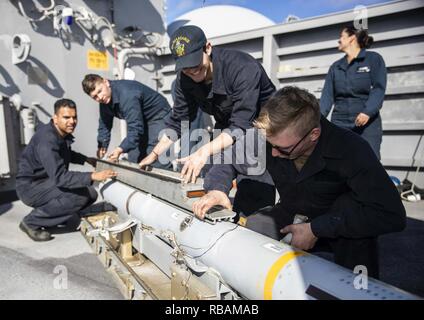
(186, 45)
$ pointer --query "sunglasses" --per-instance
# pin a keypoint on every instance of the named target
(288, 153)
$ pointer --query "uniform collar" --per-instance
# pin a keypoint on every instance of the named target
(344, 64)
(217, 78)
(361, 54)
(115, 93)
(327, 138)
(323, 150)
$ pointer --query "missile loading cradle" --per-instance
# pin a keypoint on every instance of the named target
(156, 249)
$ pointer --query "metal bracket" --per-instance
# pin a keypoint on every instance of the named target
(186, 286)
(172, 190)
(217, 214)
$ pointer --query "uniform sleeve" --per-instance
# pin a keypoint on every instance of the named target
(133, 115)
(220, 177)
(248, 157)
(53, 163)
(184, 109)
(371, 208)
(378, 89)
(105, 127)
(78, 158)
(246, 84)
(327, 96)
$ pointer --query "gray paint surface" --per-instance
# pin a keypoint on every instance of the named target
(297, 53)
(300, 53)
(27, 268)
(64, 63)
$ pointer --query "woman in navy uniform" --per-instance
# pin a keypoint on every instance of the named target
(356, 85)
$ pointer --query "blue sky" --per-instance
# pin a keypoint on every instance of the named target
(276, 10)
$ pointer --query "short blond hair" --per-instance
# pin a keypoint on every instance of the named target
(289, 106)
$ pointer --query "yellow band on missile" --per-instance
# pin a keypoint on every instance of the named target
(275, 270)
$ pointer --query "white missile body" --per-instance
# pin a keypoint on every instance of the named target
(254, 265)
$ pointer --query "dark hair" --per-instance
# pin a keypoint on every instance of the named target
(364, 40)
(289, 106)
(64, 103)
(89, 82)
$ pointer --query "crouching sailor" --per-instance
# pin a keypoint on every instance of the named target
(44, 181)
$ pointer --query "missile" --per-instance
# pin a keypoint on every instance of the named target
(253, 265)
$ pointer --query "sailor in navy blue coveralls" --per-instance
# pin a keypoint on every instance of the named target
(239, 87)
(44, 181)
(353, 88)
(228, 84)
(144, 111)
(342, 188)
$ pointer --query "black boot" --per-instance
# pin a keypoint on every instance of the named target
(35, 234)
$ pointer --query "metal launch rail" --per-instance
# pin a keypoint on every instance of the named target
(165, 185)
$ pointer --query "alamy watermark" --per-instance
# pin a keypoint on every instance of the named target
(60, 282)
(361, 280)
(248, 149)
(360, 21)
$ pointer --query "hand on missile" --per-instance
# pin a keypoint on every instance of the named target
(193, 164)
(361, 119)
(103, 175)
(101, 152)
(115, 154)
(303, 237)
(212, 198)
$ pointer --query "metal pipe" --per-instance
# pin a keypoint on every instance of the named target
(44, 11)
(256, 266)
(5, 170)
(122, 58)
(41, 8)
(125, 53)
